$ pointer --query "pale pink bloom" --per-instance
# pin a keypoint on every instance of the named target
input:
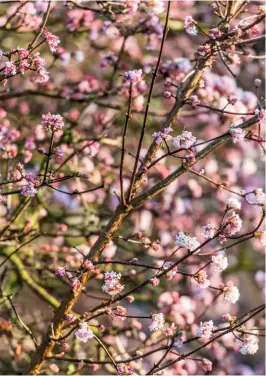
(23, 53)
(249, 345)
(167, 94)
(261, 115)
(184, 141)
(234, 224)
(201, 279)
(227, 317)
(23, 66)
(238, 134)
(169, 331)
(219, 262)
(135, 76)
(112, 285)
(89, 265)
(156, 6)
(51, 39)
(167, 265)
(60, 271)
(84, 332)
(204, 50)
(155, 281)
(59, 154)
(52, 122)
(157, 322)
(160, 136)
(260, 196)
(233, 203)
(28, 190)
(231, 293)
(205, 329)
(208, 231)
(194, 100)
(206, 364)
(190, 26)
(27, 156)
(31, 177)
(10, 69)
(42, 77)
(125, 369)
(121, 311)
(214, 33)
(75, 283)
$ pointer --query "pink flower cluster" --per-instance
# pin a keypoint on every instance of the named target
(205, 329)
(190, 26)
(160, 136)
(112, 285)
(84, 333)
(51, 39)
(51, 122)
(184, 141)
(157, 322)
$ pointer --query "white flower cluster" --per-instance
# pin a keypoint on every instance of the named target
(205, 329)
(157, 322)
(219, 262)
(249, 345)
(112, 285)
(186, 241)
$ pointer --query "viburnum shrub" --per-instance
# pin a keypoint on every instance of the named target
(132, 199)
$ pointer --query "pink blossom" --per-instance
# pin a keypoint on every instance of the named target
(194, 100)
(84, 332)
(167, 265)
(52, 122)
(201, 279)
(134, 77)
(51, 39)
(59, 154)
(205, 329)
(75, 283)
(219, 262)
(157, 322)
(28, 190)
(233, 224)
(184, 141)
(231, 293)
(214, 33)
(249, 345)
(169, 331)
(160, 136)
(208, 231)
(125, 369)
(190, 26)
(207, 365)
(238, 134)
(121, 311)
(10, 69)
(60, 271)
(112, 285)
(155, 281)
(89, 265)
(233, 203)
(204, 50)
